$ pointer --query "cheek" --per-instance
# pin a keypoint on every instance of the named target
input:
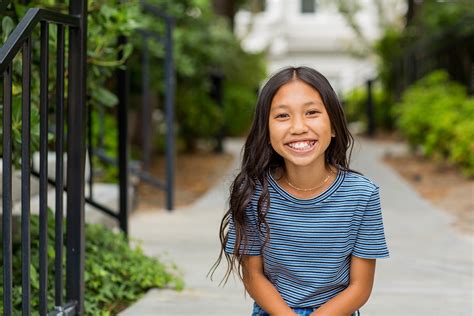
(272, 132)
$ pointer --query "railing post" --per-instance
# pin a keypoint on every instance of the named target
(122, 118)
(370, 109)
(169, 101)
(75, 239)
(146, 108)
(217, 94)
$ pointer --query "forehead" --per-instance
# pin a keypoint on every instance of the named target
(296, 92)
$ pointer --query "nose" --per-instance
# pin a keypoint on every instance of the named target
(298, 125)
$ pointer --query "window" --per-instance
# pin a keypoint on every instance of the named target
(308, 6)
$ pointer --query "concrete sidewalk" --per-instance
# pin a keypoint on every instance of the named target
(430, 271)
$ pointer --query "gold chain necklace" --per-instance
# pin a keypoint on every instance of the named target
(310, 189)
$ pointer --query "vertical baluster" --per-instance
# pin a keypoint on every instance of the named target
(43, 193)
(169, 100)
(7, 191)
(58, 277)
(146, 111)
(25, 178)
(90, 149)
(123, 85)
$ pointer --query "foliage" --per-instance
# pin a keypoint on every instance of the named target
(436, 17)
(115, 273)
(16, 109)
(389, 50)
(436, 114)
(243, 77)
(204, 45)
(388, 15)
(107, 21)
(437, 24)
(16, 130)
(104, 135)
(355, 106)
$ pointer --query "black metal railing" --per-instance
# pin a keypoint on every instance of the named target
(169, 74)
(20, 40)
(141, 168)
(365, 108)
(450, 50)
(217, 94)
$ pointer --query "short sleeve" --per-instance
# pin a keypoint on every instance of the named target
(254, 245)
(370, 242)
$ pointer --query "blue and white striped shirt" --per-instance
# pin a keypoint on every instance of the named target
(307, 257)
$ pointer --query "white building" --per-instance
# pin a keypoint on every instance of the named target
(311, 33)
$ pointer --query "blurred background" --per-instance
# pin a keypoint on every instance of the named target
(177, 81)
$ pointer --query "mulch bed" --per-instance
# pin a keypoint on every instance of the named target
(195, 174)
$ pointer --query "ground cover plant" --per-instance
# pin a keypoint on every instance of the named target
(116, 274)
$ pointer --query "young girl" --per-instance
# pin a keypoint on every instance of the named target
(302, 230)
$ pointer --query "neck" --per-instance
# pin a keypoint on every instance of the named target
(308, 176)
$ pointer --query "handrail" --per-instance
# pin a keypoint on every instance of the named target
(22, 31)
(156, 11)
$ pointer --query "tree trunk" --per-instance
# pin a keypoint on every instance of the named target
(225, 8)
(411, 11)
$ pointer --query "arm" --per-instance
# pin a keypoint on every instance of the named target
(356, 294)
(261, 289)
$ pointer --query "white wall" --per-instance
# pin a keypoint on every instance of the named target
(321, 40)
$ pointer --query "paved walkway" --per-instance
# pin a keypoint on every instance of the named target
(430, 271)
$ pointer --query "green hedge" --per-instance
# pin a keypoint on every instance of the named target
(436, 114)
(115, 273)
(355, 107)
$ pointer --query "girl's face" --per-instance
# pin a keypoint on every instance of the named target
(299, 126)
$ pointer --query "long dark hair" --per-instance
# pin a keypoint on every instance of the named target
(259, 158)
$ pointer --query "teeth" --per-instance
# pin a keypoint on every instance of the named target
(301, 145)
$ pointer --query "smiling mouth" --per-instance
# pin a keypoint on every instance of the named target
(302, 146)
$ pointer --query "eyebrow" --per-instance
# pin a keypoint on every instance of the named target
(313, 103)
(284, 106)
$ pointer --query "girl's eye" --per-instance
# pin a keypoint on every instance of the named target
(281, 115)
(312, 112)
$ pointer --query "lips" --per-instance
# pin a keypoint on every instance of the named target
(302, 146)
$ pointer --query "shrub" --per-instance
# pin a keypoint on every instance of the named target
(462, 149)
(355, 107)
(204, 44)
(436, 115)
(115, 273)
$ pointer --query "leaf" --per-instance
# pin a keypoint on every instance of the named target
(127, 50)
(108, 11)
(104, 96)
(7, 27)
(34, 277)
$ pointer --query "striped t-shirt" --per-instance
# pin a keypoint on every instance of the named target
(307, 257)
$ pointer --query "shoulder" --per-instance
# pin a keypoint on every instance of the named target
(359, 182)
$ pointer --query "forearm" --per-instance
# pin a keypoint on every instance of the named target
(266, 295)
(345, 303)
